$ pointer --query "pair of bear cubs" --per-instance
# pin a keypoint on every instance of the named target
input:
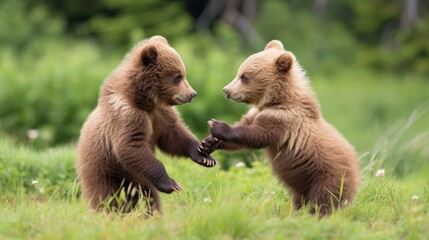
(136, 112)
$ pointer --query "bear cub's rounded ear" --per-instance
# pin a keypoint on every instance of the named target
(149, 55)
(276, 44)
(284, 62)
(159, 38)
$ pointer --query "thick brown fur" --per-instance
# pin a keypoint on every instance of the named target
(133, 116)
(307, 154)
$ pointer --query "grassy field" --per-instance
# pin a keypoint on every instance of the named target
(385, 118)
(243, 203)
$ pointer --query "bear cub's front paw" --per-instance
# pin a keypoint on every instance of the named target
(168, 186)
(219, 129)
(203, 159)
(206, 161)
(208, 145)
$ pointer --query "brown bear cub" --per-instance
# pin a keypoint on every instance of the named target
(134, 115)
(307, 154)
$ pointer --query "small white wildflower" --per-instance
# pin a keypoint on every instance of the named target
(240, 164)
(273, 193)
(33, 134)
(380, 173)
(34, 182)
(415, 198)
(41, 190)
(207, 199)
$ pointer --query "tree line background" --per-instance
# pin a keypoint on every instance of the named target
(381, 34)
(54, 55)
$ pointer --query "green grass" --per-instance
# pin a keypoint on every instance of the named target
(364, 105)
(242, 203)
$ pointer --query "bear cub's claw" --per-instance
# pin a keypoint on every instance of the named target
(168, 186)
(206, 161)
(211, 121)
(202, 157)
(208, 145)
(219, 130)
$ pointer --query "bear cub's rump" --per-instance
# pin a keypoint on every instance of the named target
(134, 115)
(307, 154)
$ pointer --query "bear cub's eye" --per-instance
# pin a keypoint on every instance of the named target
(244, 78)
(177, 78)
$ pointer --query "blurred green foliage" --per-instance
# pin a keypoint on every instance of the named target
(319, 45)
(22, 26)
(372, 34)
(50, 88)
(135, 20)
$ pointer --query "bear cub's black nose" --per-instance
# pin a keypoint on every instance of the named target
(226, 91)
(194, 94)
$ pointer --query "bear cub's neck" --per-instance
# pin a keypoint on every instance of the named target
(294, 94)
(115, 92)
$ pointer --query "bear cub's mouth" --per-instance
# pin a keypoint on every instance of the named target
(183, 99)
(234, 97)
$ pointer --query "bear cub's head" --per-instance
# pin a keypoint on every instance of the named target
(157, 74)
(263, 76)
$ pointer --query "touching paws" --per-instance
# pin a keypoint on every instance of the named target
(201, 158)
(219, 129)
(208, 145)
(168, 186)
